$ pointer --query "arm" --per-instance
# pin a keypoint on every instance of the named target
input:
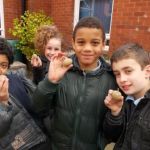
(38, 68)
(43, 96)
(5, 108)
(114, 119)
(6, 117)
(46, 90)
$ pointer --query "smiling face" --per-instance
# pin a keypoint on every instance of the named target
(88, 45)
(131, 78)
(52, 47)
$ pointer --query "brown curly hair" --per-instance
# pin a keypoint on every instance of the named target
(44, 34)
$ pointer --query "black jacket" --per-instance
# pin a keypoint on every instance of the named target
(78, 101)
(40, 72)
(131, 130)
(18, 130)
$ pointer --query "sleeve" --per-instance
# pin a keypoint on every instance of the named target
(29, 85)
(38, 74)
(6, 116)
(44, 96)
(113, 126)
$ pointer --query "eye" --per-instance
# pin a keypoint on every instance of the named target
(95, 43)
(128, 71)
(80, 42)
(4, 65)
(117, 74)
(57, 49)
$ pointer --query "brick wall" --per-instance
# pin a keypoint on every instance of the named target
(12, 9)
(130, 23)
(130, 20)
(62, 13)
(60, 10)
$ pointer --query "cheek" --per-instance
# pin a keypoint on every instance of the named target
(3, 71)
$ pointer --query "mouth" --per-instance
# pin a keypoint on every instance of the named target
(125, 87)
(87, 56)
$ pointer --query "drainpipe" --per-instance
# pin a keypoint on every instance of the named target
(23, 3)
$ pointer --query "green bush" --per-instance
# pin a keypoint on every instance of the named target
(24, 29)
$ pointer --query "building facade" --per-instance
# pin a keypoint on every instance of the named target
(124, 21)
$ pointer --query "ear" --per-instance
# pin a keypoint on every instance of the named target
(147, 71)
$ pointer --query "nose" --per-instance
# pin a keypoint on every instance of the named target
(123, 77)
(87, 47)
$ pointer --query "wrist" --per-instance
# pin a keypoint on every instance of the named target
(116, 113)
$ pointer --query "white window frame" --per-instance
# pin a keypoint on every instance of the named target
(2, 29)
(76, 19)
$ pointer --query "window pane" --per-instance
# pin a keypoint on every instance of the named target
(85, 8)
(99, 8)
(103, 10)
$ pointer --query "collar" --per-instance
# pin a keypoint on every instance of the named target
(135, 101)
(97, 68)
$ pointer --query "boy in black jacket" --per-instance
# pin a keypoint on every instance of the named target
(76, 91)
(128, 121)
(17, 128)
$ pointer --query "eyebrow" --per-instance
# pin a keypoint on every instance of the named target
(128, 67)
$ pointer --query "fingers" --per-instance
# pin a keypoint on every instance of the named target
(36, 61)
(4, 83)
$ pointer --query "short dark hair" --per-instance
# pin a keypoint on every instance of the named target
(89, 22)
(133, 51)
(6, 49)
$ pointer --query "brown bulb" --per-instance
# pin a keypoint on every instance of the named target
(67, 62)
(116, 95)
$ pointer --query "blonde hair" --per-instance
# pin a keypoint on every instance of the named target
(43, 35)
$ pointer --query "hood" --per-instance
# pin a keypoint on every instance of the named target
(104, 66)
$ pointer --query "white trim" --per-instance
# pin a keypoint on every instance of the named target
(111, 17)
(2, 18)
(76, 12)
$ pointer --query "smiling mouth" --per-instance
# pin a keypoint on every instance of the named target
(125, 87)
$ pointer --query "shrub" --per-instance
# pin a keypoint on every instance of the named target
(24, 29)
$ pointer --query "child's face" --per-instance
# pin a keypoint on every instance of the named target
(52, 47)
(88, 45)
(131, 78)
(3, 64)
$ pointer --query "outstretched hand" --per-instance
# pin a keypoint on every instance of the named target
(4, 94)
(114, 105)
(56, 68)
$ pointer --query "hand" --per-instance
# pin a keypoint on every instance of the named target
(114, 105)
(4, 94)
(36, 61)
(56, 68)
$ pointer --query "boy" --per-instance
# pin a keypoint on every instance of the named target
(17, 128)
(77, 91)
(129, 119)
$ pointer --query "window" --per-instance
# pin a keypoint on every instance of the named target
(1, 19)
(99, 8)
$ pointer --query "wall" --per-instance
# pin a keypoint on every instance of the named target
(62, 12)
(130, 23)
(12, 9)
(130, 20)
(59, 10)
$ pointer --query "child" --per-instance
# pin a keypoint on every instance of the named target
(48, 41)
(17, 128)
(129, 119)
(77, 91)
